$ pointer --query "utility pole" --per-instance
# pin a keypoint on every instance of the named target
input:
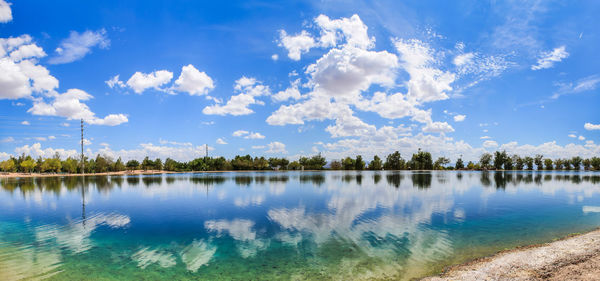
(82, 158)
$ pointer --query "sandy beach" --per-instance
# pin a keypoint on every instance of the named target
(121, 173)
(573, 258)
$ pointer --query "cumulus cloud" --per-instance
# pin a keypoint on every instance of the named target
(249, 90)
(78, 45)
(221, 141)
(36, 150)
(591, 127)
(276, 147)
(459, 118)
(290, 93)
(26, 123)
(296, 44)
(490, 144)
(69, 105)
(247, 135)
(139, 82)
(21, 73)
(5, 12)
(115, 82)
(438, 127)
(547, 59)
(193, 82)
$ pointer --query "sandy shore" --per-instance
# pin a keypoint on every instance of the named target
(37, 175)
(572, 258)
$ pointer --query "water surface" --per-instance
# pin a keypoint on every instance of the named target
(281, 225)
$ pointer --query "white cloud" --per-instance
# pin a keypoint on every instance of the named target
(36, 150)
(21, 73)
(490, 144)
(51, 137)
(276, 147)
(193, 82)
(459, 118)
(581, 138)
(5, 11)
(161, 141)
(247, 135)
(7, 140)
(39, 138)
(296, 44)
(250, 89)
(547, 59)
(139, 82)
(583, 85)
(221, 141)
(258, 147)
(438, 127)
(275, 57)
(463, 59)
(69, 105)
(114, 81)
(26, 123)
(78, 45)
(290, 93)
(572, 135)
(591, 127)
(485, 137)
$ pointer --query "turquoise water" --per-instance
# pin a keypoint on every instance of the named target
(281, 225)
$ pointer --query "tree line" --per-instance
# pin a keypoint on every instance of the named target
(422, 160)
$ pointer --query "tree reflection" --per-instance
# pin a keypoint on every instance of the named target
(421, 180)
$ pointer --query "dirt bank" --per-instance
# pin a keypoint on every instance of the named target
(573, 258)
(37, 175)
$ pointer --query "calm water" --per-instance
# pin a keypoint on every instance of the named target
(295, 225)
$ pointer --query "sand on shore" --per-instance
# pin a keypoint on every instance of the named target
(572, 258)
(121, 173)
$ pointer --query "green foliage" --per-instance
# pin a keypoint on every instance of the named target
(485, 160)
(335, 165)
(132, 164)
(440, 163)
(8, 166)
(586, 164)
(500, 159)
(538, 160)
(459, 164)
(348, 163)
(528, 162)
(421, 161)
(394, 161)
(70, 165)
(376, 164)
(359, 163)
(548, 164)
(28, 165)
(595, 162)
(576, 162)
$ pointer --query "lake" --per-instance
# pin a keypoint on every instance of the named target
(282, 225)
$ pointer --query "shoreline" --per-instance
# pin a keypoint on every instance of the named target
(154, 172)
(574, 257)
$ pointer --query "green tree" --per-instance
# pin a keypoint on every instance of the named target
(376, 164)
(421, 161)
(566, 164)
(348, 163)
(595, 162)
(335, 165)
(538, 160)
(471, 166)
(548, 164)
(359, 163)
(119, 166)
(459, 164)
(394, 161)
(519, 162)
(485, 160)
(586, 164)
(500, 159)
(441, 163)
(102, 164)
(132, 165)
(528, 162)
(576, 162)
(295, 165)
(28, 165)
(8, 165)
(558, 164)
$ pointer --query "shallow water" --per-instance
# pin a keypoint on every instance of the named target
(281, 225)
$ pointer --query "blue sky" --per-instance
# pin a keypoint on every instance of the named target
(297, 78)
